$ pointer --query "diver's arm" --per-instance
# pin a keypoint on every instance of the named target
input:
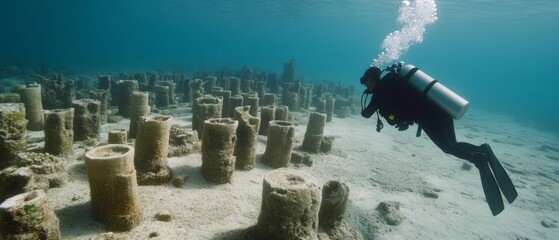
(370, 109)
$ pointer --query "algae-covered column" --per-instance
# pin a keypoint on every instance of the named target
(330, 102)
(234, 102)
(270, 99)
(282, 113)
(31, 97)
(314, 133)
(267, 114)
(247, 135)
(28, 216)
(290, 206)
(225, 95)
(152, 147)
(102, 96)
(139, 108)
(87, 122)
(117, 206)
(235, 86)
(59, 131)
(280, 142)
(203, 109)
(124, 90)
(162, 97)
(332, 212)
(218, 146)
(118, 136)
(13, 133)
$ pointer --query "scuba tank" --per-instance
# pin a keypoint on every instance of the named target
(445, 98)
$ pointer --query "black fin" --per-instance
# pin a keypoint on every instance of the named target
(501, 175)
(491, 189)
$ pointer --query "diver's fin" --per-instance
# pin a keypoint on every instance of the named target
(491, 189)
(501, 175)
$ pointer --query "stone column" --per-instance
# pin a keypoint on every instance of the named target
(252, 101)
(28, 216)
(171, 96)
(13, 133)
(118, 136)
(104, 82)
(151, 149)
(235, 86)
(31, 97)
(270, 99)
(102, 96)
(267, 114)
(261, 89)
(124, 92)
(225, 95)
(209, 83)
(203, 109)
(282, 113)
(162, 97)
(87, 122)
(247, 136)
(321, 106)
(234, 102)
(138, 108)
(114, 189)
(290, 205)
(314, 133)
(218, 145)
(59, 131)
(187, 91)
(280, 142)
(330, 102)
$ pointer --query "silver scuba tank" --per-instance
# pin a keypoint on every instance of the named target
(448, 100)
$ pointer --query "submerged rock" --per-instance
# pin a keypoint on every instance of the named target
(183, 141)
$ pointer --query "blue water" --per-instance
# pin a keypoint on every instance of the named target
(500, 55)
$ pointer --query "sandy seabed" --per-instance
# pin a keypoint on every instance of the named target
(438, 199)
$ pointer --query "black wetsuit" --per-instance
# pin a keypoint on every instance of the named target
(402, 105)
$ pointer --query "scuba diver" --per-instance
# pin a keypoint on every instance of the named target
(406, 95)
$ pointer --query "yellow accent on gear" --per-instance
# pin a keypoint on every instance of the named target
(392, 117)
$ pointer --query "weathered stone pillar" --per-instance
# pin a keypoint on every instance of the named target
(252, 101)
(321, 106)
(102, 96)
(225, 95)
(247, 136)
(114, 189)
(234, 102)
(31, 97)
(261, 89)
(267, 114)
(187, 91)
(280, 142)
(330, 102)
(209, 83)
(59, 131)
(290, 205)
(28, 216)
(125, 88)
(282, 113)
(218, 146)
(171, 96)
(139, 107)
(118, 136)
(151, 149)
(13, 133)
(270, 99)
(203, 109)
(235, 86)
(87, 122)
(104, 82)
(162, 97)
(314, 133)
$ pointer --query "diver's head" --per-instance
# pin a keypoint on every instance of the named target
(370, 78)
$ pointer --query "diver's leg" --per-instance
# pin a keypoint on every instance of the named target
(501, 175)
(441, 132)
